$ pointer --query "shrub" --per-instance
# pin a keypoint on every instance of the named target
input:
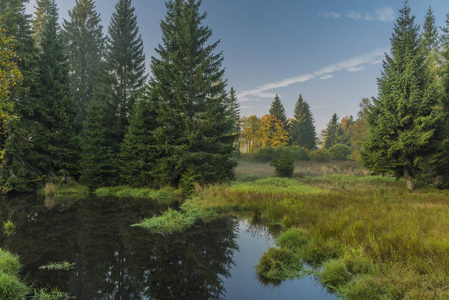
(265, 154)
(320, 155)
(340, 152)
(284, 165)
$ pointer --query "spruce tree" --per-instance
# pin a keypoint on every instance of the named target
(331, 133)
(56, 107)
(195, 137)
(83, 35)
(97, 162)
(125, 67)
(21, 167)
(44, 9)
(277, 110)
(139, 149)
(302, 128)
(404, 119)
(234, 110)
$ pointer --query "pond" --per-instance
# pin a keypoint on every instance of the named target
(112, 260)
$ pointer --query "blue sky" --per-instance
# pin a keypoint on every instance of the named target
(330, 51)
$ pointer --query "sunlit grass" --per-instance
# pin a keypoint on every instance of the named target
(162, 195)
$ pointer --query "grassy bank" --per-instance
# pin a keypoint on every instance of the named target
(373, 238)
(164, 195)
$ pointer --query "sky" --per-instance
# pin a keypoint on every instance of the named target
(330, 51)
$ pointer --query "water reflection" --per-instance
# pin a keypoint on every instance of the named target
(114, 260)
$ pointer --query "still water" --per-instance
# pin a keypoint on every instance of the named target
(211, 260)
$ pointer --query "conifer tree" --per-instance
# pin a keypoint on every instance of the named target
(195, 139)
(44, 9)
(277, 110)
(21, 162)
(83, 35)
(97, 162)
(331, 133)
(234, 110)
(139, 149)
(56, 109)
(302, 128)
(125, 67)
(404, 119)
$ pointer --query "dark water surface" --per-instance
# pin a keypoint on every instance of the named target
(211, 260)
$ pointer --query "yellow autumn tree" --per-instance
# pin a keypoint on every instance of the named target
(9, 77)
(273, 132)
(251, 136)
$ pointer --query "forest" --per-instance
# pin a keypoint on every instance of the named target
(79, 108)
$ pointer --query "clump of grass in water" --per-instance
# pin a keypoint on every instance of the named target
(9, 227)
(65, 265)
(49, 189)
(10, 285)
(54, 294)
(173, 220)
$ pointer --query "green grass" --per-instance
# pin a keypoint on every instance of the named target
(369, 237)
(65, 265)
(64, 191)
(162, 195)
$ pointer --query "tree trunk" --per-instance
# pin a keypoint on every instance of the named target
(409, 179)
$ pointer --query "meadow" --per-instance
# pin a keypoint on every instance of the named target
(367, 237)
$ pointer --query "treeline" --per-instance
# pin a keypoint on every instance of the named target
(86, 110)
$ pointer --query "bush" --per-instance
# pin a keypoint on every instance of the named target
(320, 155)
(284, 165)
(340, 152)
(265, 154)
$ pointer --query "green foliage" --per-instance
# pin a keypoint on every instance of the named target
(162, 195)
(54, 294)
(334, 274)
(340, 152)
(84, 41)
(266, 154)
(195, 129)
(9, 263)
(405, 119)
(9, 227)
(331, 132)
(284, 165)
(277, 110)
(321, 155)
(302, 128)
(12, 288)
(65, 265)
(45, 9)
(293, 239)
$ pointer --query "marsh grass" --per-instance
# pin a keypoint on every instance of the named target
(166, 194)
(52, 190)
(174, 220)
(10, 285)
(54, 294)
(375, 239)
(9, 227)
(60, 266)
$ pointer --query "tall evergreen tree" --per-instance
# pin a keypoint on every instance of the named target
(97, 162)
(44, 9)
(195, 134)
(331, 133)
(139, 149)
(302, 128)
(21, 162)
(57, 111)
(277, 110)
(234, 110)
(404, 119)
(125, 67)
(84, 40)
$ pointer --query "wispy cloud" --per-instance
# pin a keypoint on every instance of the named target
(384, 14)
(326, 77)
(330, 15)
(354, 64)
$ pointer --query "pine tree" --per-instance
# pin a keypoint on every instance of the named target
(331, 133)
(97, 162)
(404, 119)
(56, 107)
(234, 110)
(277, 110)
(139, 149)
(21, 162)
(302, 128)
(85, 44)
(195, 139)
(125, 67)
(44, 9)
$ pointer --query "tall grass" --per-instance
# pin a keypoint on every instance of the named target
(166, 194)
(376, 239)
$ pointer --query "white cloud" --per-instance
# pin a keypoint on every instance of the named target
(354, 64)
(329, 76)
(384, 14)
(330, 15)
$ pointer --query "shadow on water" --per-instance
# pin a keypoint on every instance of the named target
(113, 260)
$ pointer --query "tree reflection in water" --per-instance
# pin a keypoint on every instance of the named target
(114, 260)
